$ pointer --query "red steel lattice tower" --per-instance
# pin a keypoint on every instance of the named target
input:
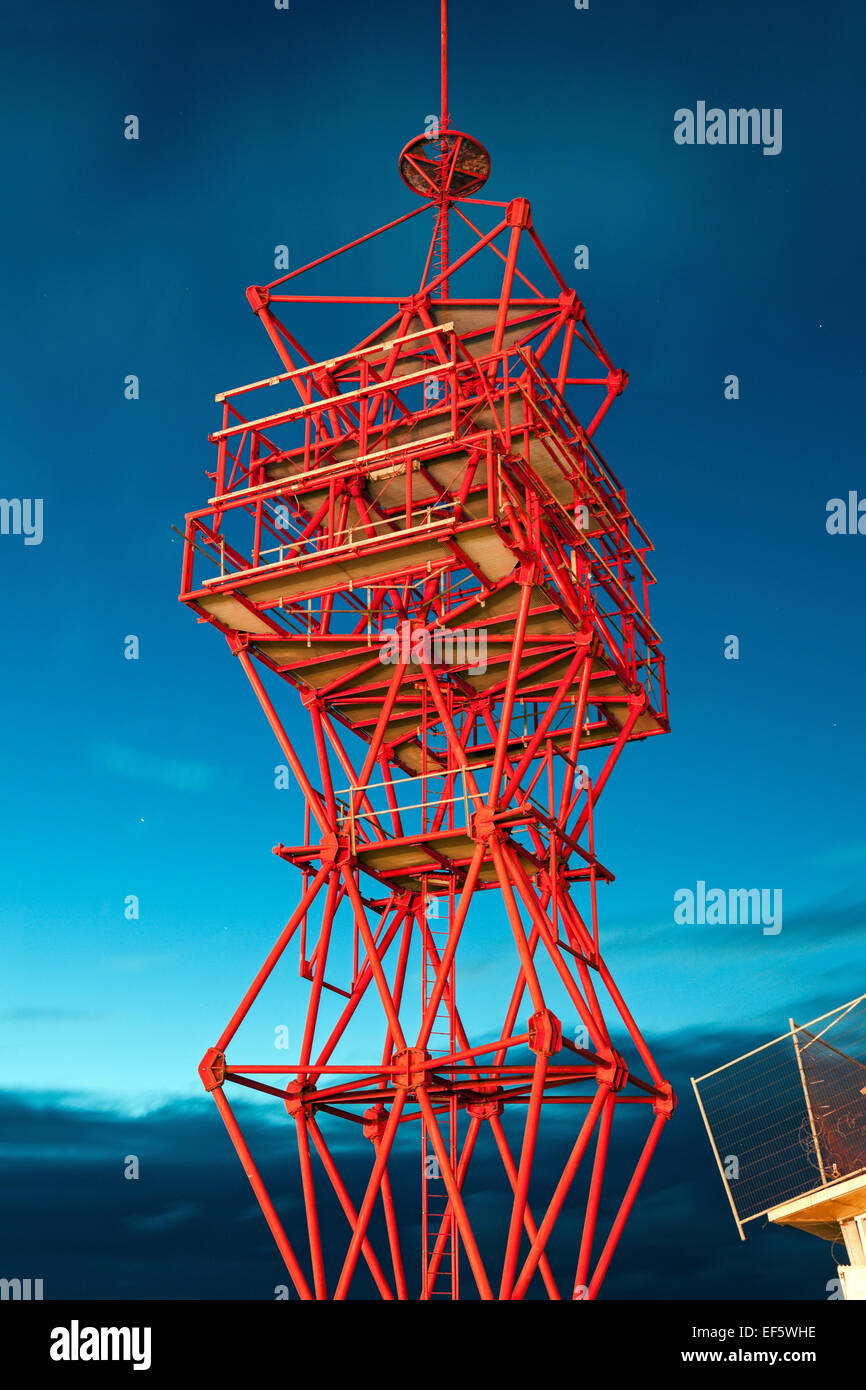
(421, 539)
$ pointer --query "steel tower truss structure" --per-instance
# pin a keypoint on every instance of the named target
(379, 522)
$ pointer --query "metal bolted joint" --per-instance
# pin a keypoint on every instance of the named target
(666, 1103)
(298, 1101)
(519, 213)
(545, 1033)
(483, 825)
(212, 1069)
(617, 380)
(411, 1071)
(488, 1108)
(375, 1120)
(259, 297)
(416, 304)
(572, 305)
(613, 1071)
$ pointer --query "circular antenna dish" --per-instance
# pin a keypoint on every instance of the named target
(454, 160)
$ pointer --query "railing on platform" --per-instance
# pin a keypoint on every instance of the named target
(790, 1117)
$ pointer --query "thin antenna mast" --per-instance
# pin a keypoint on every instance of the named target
(444, 113)
(459, 167)
(444, 200)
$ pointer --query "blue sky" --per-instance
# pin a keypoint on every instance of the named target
(155, 777)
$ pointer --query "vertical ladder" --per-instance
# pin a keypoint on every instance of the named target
(443, 1282)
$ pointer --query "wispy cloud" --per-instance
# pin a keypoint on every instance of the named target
(156, 1238)
(48, 1014)
(178, 1214)
(180, 774)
